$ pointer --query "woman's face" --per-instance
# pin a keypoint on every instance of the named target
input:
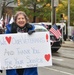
(21, 21)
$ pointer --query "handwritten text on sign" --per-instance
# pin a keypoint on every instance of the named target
(23, 50)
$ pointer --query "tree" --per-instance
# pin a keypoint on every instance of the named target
(4, 7)
(71, 12)
(35, 8)
(62, 9)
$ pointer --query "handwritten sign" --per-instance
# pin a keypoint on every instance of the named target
(22, 50)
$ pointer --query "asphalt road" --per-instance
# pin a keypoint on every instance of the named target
(63, 62)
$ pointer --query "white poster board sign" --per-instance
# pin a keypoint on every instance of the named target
(22, 50)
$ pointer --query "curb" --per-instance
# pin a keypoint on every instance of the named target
(71, 45)
(67, 46)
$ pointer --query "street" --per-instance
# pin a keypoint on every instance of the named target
(49, 24)
(63, 63)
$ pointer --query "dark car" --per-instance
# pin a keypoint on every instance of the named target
(55, 43)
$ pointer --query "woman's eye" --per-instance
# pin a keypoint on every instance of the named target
(23, 18)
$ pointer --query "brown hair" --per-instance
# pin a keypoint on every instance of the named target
(23, 13)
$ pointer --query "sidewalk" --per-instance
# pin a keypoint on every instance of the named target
(68, 44)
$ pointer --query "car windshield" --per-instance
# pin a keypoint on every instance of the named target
(39, 27)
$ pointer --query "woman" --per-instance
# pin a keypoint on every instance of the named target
(21, 25)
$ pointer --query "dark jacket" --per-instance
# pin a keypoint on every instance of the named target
(12, 28)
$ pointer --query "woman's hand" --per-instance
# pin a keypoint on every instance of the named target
(30, 32)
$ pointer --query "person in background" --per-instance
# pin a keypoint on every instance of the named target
(21, 24)
(73, 35)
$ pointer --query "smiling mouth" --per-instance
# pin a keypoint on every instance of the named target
(21, 22)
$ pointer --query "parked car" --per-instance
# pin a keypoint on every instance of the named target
(55, 43)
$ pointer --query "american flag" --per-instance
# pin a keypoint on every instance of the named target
(1, 22)
(54, 30)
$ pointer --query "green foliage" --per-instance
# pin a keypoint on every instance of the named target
(35, 8)
(39, 9)
(71, 12)
(64, 9)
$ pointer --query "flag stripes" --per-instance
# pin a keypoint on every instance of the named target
(54, 30)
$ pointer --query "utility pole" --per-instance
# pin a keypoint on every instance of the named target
(54, 4)
(53, 13)
(68, 17)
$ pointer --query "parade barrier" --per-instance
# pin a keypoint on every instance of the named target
(24, 50)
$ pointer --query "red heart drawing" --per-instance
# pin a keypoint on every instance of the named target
(8, 39)
(47, 57)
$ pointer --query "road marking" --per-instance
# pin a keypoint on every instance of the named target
(58, 59)
(58, 71)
